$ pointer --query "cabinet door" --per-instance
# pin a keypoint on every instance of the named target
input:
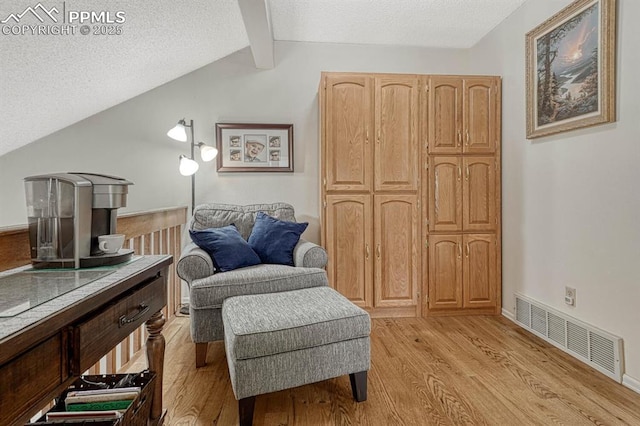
(479, 189)
(445, 271)
(396, 250)
(480, 97)
(445, 115)
(348, 127)
(396, 153)
(445, 187)
(348, 242)
(479, 271)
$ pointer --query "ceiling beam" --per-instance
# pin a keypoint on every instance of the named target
(256, 20)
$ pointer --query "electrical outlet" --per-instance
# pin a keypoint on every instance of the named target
(570, 296)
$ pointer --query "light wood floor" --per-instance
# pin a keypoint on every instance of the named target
(440, 371)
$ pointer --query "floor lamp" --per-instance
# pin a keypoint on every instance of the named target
(188, 165)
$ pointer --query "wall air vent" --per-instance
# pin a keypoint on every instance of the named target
(589, 344)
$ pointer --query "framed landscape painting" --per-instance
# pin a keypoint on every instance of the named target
(249, 147)
(571, 69)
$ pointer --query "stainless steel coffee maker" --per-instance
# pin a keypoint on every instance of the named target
(66, 214)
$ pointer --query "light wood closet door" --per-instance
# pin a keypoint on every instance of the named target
(396, 153)
(480, 115)
(445, 115)
(445, 187)
(396, 250)
(445, 271)
(479, 271)
(479, 189)
(348, 132)
(349, 246)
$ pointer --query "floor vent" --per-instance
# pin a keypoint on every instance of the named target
(597, 348)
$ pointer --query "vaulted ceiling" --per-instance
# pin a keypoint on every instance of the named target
(48, 82)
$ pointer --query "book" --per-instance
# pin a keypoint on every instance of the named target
(116, 396)
(103, 391)
(99, 405)
(79, 416)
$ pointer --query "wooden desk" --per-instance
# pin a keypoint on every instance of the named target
(45, 348)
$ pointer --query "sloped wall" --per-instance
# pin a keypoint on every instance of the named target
(129, 140)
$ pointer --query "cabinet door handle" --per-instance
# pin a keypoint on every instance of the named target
(367, 137)
(467, 173)
(467, 250)
(366, 251)
(459, 173)
(142, 309)
(378, 251)
(459, 251)
(378, 135)
(467, 137)
(459, 137)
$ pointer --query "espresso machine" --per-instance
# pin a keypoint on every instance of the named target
(66, 214)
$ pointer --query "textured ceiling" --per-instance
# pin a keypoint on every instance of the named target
(48, 82)
(429, 23)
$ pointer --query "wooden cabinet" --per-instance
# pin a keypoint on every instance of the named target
(348, 129)
(445, 115)
(371, 160)
(396, 251)
(479, 271)
(463, 193)
(348, 225)
(463, 196)
(445, 271)
(462, 272)
(410, 161)
(397, 151)
(463, 115)
(373, 245)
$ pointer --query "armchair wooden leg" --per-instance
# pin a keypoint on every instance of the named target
(359, 385)
(201, 354)
(245, 410)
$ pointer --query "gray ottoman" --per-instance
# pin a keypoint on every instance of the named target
(277, 341)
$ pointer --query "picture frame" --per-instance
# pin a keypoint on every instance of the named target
(570, 69)
(252, 147)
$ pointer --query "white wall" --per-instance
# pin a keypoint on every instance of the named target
(571, 201)
(130, 140)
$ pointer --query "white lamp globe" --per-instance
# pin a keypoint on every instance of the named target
(179, 132)
(207, 152)
(188, 166)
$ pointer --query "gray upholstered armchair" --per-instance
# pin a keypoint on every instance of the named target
(208, 289)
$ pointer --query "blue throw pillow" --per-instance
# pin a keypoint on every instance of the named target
(274, 240)
(227, 248)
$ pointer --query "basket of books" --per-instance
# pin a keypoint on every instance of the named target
(104, 400)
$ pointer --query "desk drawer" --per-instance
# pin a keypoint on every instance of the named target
(104, 329)
(31, 377)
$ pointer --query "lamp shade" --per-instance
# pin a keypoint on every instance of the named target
(179, 132)
(188, 166)
(207, 152)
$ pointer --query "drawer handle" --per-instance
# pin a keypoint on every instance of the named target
(143, 309)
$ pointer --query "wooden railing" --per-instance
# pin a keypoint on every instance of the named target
(151, 232)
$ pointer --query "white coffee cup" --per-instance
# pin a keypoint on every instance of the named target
(110, 243)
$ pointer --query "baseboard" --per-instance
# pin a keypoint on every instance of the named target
(631, 383)
(508, 315)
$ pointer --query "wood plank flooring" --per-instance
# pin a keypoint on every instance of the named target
(436, 371)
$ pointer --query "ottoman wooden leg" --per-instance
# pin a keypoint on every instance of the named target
(359, 385)
(245, 410)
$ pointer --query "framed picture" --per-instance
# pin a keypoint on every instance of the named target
(571, 69)
(252, 147)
